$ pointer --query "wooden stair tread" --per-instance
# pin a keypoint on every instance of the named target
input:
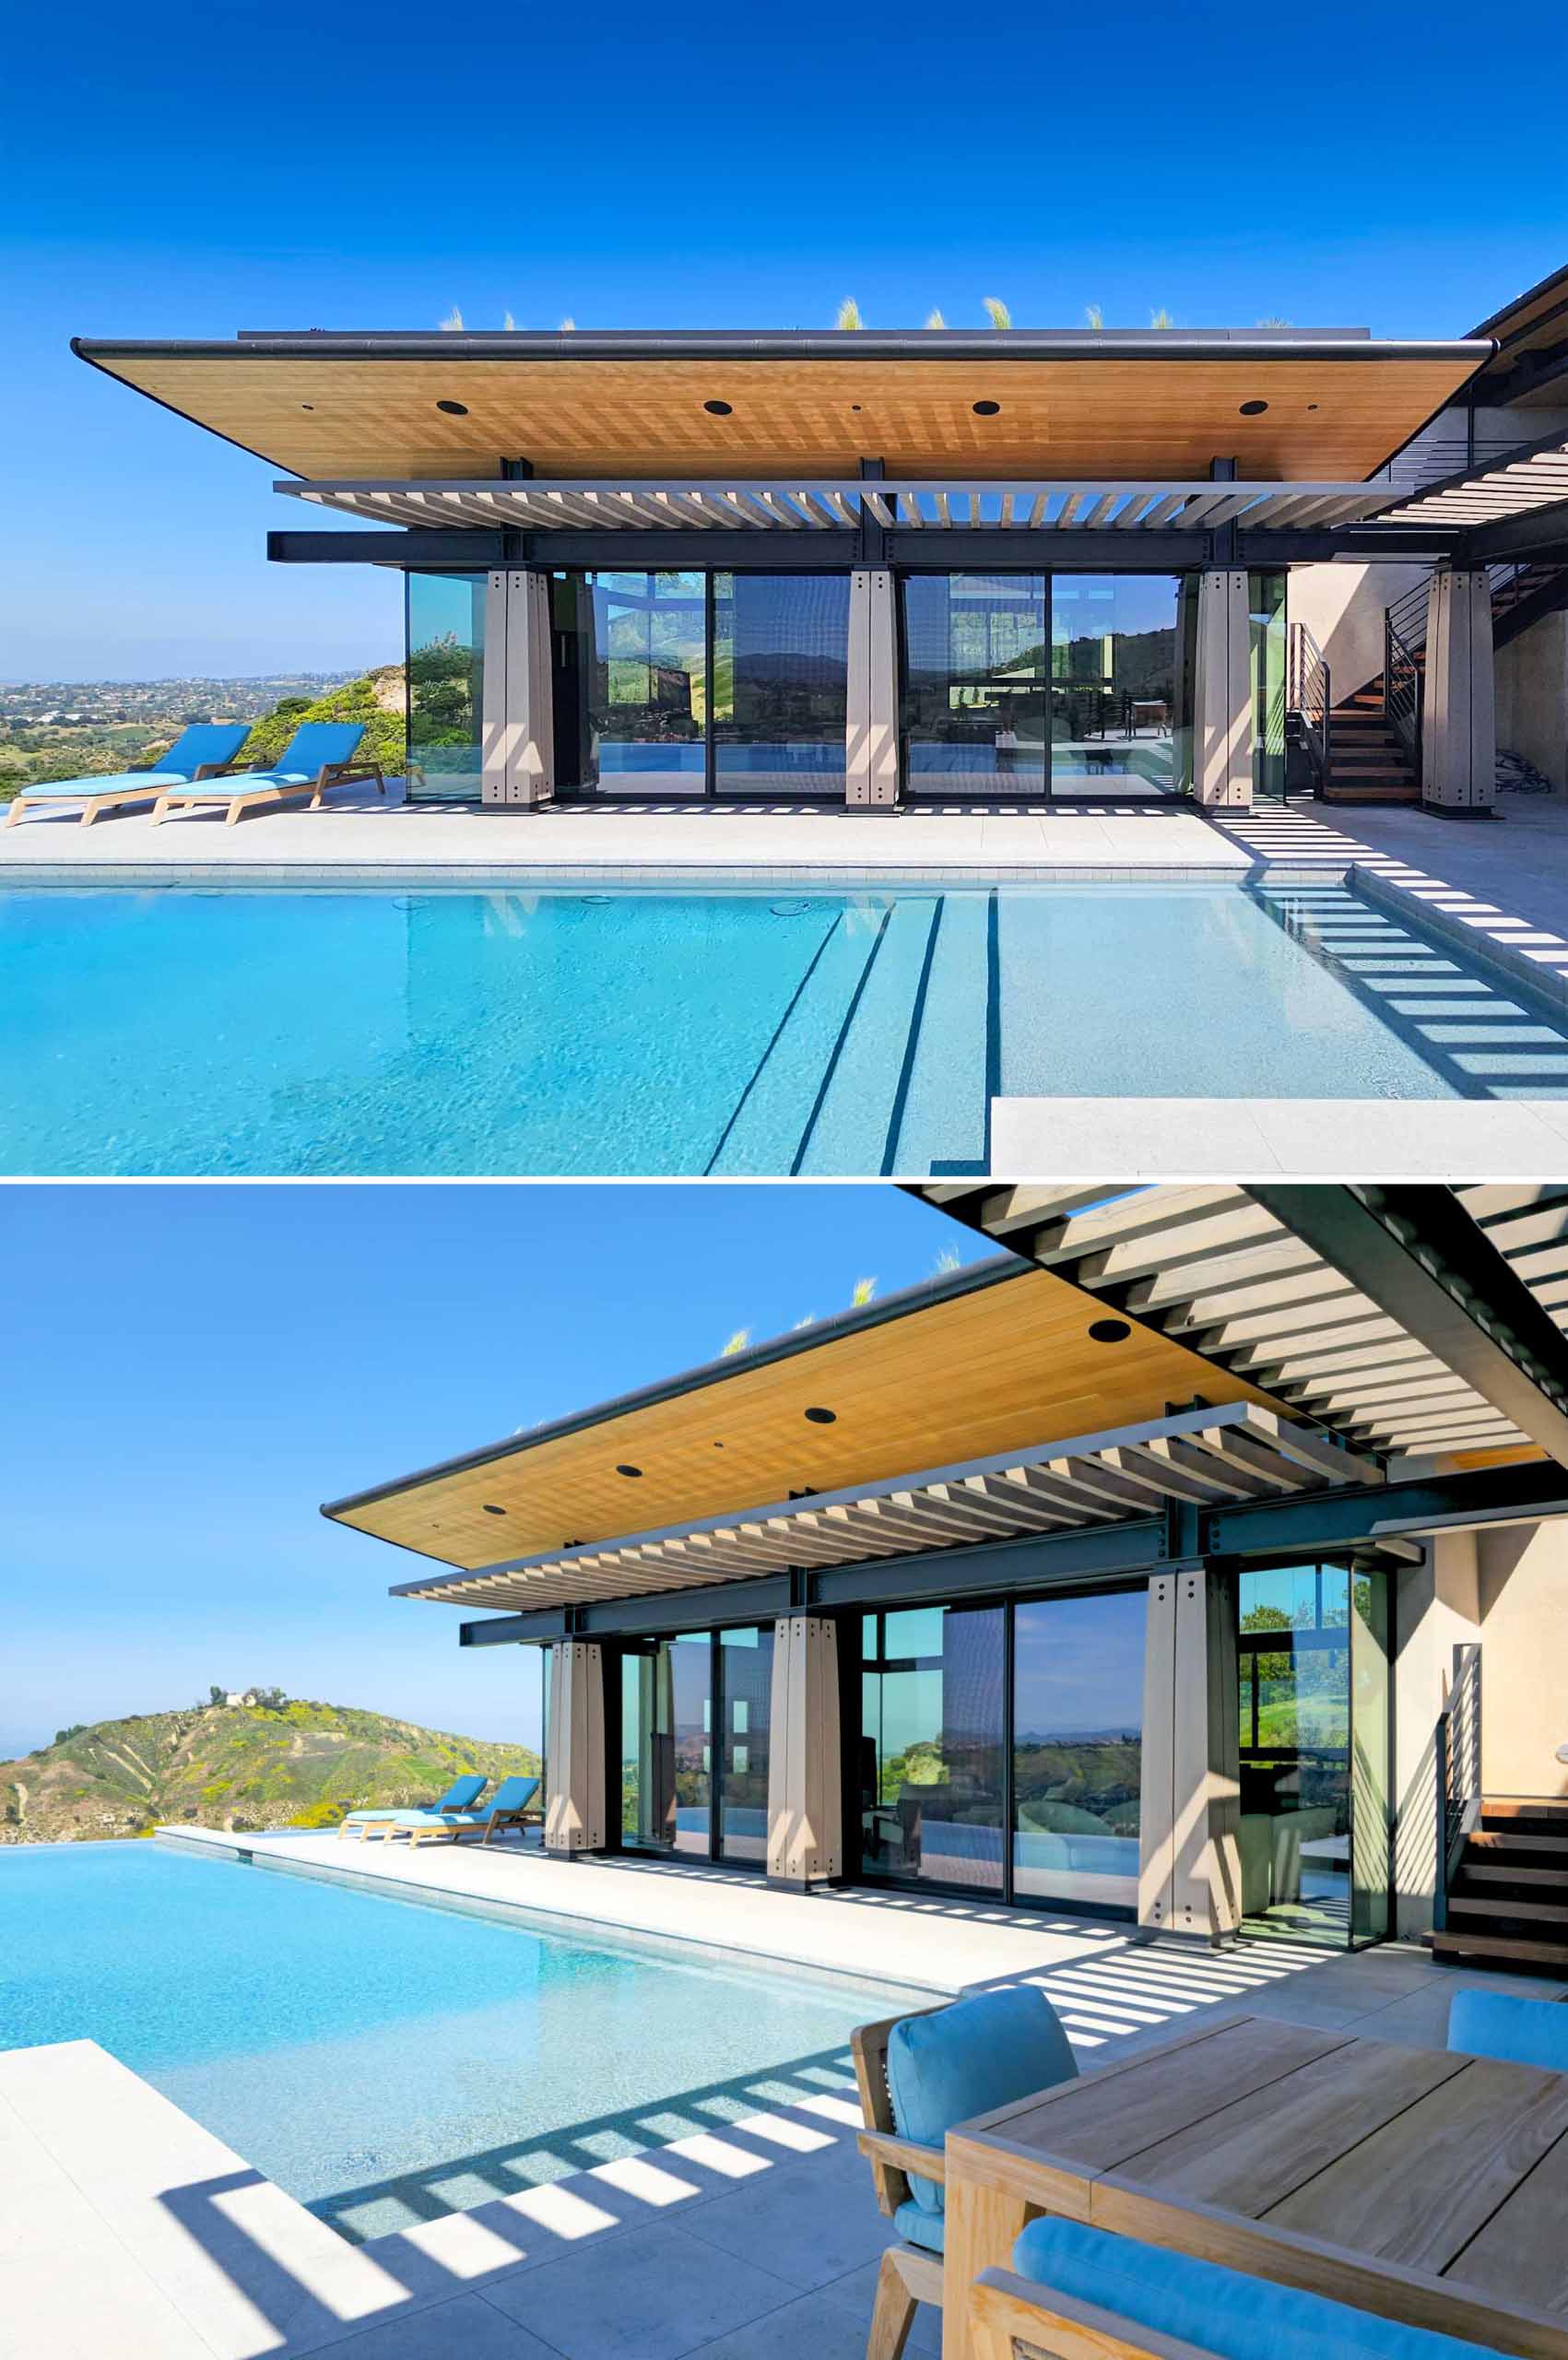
(1490, 1839)
(1491, 1910)
(1524, 1807)
(1522, 1949)
(1474, 1873)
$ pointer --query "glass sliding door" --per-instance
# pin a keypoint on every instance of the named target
(444, 675)
(781, 665)
(1372, 1815)
(933, 1745)
(745, 1704)
(1295, 1646)
(645, 672)
(973, 718)
(1266, 614)
(695, 1719)
(1078, 1748)
(1122, 651)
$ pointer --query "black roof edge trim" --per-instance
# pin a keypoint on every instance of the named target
(992, 345)
(970, 1280)
(1506, 312)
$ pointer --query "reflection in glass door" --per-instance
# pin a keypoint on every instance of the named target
(682, 1792)
(646, 673)
(973, 718)
(1120, 686)
(933, 1745)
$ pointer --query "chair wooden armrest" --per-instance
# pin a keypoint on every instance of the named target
(905, 2155)
(1012, 2318)
(218, 769)
(868, 2045)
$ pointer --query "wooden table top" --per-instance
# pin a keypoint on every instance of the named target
(1425, 2185)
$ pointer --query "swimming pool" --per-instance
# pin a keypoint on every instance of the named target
(188, 1029)
(381, 2059)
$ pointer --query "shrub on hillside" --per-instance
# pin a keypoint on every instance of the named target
(384, 737)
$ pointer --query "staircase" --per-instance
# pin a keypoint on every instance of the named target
(1376, 735)
(1507, 1901)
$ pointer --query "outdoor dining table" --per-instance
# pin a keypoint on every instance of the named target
(1424, 2185)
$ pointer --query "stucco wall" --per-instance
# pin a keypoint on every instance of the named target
(1524, 1634)
(1436, 1606)
(1532, 697)
(1343, 607)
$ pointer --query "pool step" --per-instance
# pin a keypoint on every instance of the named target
(773, 1113)
(847, 1129)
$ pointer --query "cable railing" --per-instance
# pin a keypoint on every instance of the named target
(1457, 1761)
(1402, 683)
(1310, 696)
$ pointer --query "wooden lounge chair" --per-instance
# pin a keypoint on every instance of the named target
(318, 755)
(512, 1805)
(462, 1794)
(918, 2075)
(207, 749)
(1077, 2293)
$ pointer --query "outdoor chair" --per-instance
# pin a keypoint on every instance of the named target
(318, 755)
(919, 2075)
(1503, 2024)
(204, 750)
(1081, 2294)
(512, 1805)
(462, 1794)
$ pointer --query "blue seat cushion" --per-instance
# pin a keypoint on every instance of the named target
(1226, 2312)
(111, 782)
(959, 2061)
(920, 2226)
(1504, 2025)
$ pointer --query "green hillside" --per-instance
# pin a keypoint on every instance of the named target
(288, 1763)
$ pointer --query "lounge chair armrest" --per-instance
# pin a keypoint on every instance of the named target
(1005, 2312)
(903, 2154)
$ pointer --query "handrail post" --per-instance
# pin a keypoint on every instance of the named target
(1440, 1882)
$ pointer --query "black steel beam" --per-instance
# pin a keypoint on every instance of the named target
(1320, 545)
(1337, 1519)
(680, 1609)
(1419, 1257)
(930, 549)
(418, 545)
(1539, 533)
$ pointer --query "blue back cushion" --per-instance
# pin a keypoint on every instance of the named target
(202, 742)
(965, 2060)
(512, 1793)
(1499, 2024)
(461, 1793)
(317, 743)
(1226, 2312)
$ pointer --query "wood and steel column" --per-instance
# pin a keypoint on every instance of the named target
(805, 1773)
(1189, 1859)
(1458, 699)
(1222, 717)
(871, 711)
(517, 742)
(574, 1750)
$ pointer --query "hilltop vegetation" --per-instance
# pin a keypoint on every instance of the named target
(242, 1766)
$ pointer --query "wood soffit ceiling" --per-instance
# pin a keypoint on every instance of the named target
(999, 1367)
(375, 417)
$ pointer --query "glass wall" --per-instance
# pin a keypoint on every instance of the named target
(682, 684)
(780, 665)
(446, 641)
(1122, 648)
(933, 1744)
(679, 1791)
(1077, 1747)
(975, 683)
(1266, 604)
(1313, 1685)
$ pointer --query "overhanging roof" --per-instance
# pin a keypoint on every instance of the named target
(968, 1366)
(791, 505)
(1533, 476)
(1320, 407)
(1398, 1317)
(1528, 331)
(1201, 1459)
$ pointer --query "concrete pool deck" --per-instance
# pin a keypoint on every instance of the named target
(746, 2233)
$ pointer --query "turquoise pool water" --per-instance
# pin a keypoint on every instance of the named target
(383, 2060)
(189, 1030)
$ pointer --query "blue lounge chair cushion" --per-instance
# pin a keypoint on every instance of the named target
(314, 746)
(458, 1795)
(1504, 2025)
(513, 1794)
(959, 2061)
(204, 742)
(920, 2226)
(1226, 2312)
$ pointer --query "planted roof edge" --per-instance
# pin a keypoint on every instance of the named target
(831, 343)
(969, 1280)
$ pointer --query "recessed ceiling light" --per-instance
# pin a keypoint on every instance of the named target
(719, 409)
(986, 409)
(629, 1471)
(1110, 1331)
(1254, 410)
(307, 405)
(823, 1417)
(453, 409)
(491, 1509)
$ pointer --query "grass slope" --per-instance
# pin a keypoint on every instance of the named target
(242, 1767)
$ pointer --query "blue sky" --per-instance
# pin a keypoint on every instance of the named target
(232, 165)
(191, 1371)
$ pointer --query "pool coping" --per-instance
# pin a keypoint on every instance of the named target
(757, 877)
